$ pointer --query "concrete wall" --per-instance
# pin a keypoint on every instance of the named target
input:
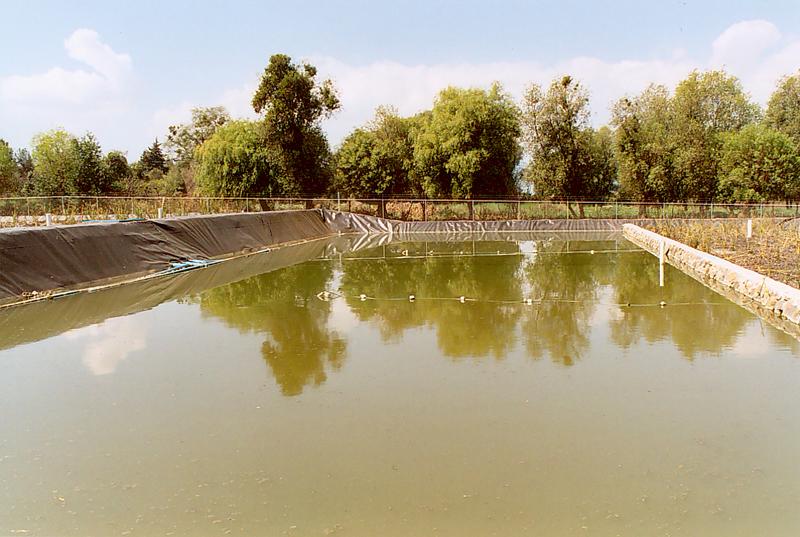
(776, 300)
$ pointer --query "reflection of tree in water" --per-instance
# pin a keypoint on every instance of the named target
(283, 305)
(557, 328)
(701, 327)
(471, 329)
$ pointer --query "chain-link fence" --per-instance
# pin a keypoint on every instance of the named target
(33, 211)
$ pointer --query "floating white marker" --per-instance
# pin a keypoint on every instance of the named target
(411, 298)
(528, 301)
(363, 297)
(662, 303)
(749, 228)
(591, 252)
(462, 299)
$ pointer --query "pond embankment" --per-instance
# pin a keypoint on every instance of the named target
(775, 300)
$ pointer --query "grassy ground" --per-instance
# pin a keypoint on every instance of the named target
(773, 250)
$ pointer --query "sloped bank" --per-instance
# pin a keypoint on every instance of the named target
(35, 262)
(776, 301)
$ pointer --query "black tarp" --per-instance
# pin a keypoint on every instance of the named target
(68, 257)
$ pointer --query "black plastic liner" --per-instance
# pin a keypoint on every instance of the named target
(68, 257)
(359, 223)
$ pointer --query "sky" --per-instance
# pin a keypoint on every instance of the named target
(125, 71)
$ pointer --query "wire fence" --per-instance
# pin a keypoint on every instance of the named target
(38, 210)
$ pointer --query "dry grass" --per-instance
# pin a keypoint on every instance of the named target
(773, 250)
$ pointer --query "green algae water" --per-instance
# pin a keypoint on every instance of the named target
(286, 403)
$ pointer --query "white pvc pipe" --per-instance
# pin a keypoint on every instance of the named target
(48, 219)
(749, 228)
(161, 212)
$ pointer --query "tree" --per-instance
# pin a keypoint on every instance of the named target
(235, 162)
(376, 160)
(602, 179)
(783, 110)
(153, 159)
(118, 172)
(467, 146)
(91, 178)
(8, 168)
(24, 171)
(643, 147)
(704, 106)
(184, 139)
(758, 163)
(559, 140)
(293, 105)
(55, 163)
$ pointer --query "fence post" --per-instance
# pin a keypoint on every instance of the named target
(383, 208)
(519, 203)
(425, 210)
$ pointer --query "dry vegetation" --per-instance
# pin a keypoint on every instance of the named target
(773, 250)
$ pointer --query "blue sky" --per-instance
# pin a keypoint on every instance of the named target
(127, 70)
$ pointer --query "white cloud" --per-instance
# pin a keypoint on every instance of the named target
(58, 86)
(109, 343)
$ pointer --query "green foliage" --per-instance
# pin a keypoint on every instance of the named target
(8, 168)
(184, 139)
(91, 178)
(376, 161)
(568, 159)
(783, 110)
(758, 163)
(24, 171)
(118, 172)
(153, 159)
(643, 146)
(55, 163)
(293, 104)
(704, 106)
(235, 162)
(467, 146)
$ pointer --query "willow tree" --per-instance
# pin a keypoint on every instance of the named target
(467, 145)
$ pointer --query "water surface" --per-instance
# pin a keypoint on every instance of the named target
(192, 407)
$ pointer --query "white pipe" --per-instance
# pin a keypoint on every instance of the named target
(161, 212)
(749, 228)
(48, 219)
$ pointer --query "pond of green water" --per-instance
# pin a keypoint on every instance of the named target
(262, 407)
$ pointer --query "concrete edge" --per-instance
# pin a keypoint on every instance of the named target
(775, 301)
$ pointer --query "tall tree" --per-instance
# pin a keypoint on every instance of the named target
(467, 146)
(558, 138)
(293, 105)
(55, 163)
(783, 110)
(643, 146)
(704, 106)
(8, 168)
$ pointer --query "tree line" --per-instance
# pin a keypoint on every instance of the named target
(703, 141)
